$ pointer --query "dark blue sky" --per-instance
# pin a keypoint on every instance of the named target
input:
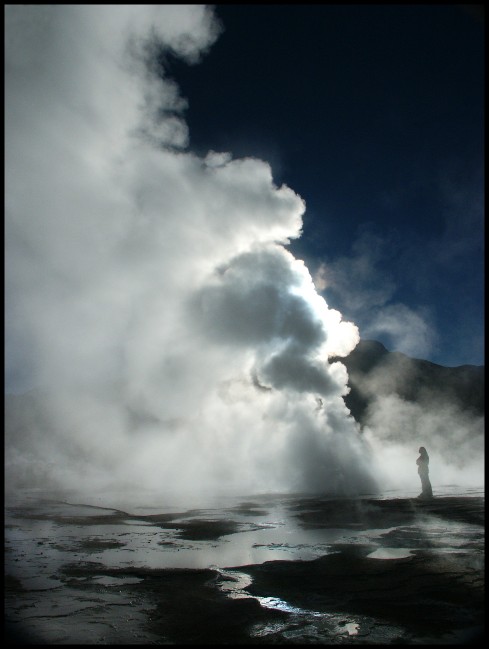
(374, 115)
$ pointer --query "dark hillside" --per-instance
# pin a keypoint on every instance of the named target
(373, 370)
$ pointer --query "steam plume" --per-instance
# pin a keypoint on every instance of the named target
(179, 345)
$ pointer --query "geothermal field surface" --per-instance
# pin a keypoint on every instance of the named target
(266, 569)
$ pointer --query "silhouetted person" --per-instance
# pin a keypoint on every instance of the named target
(423, 462)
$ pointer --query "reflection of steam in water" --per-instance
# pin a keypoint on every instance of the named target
(234, 583)
(352, 628)
(390, 553)
(67, 542)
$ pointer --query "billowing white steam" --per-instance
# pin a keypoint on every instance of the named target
(180, 346)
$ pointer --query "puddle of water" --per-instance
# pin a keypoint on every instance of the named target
(156, 548)
(390, 553)
(352, 628)
(281, 605)
(38, 548)
(234, 583)
(40, 583)
(116, 581)
(321, 625)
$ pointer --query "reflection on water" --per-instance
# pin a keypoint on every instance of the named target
(116, 581)
(234, 584)
(390, 553)
(265, 528)
(42, 538)
(352, 628)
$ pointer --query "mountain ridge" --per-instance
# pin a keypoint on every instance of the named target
(373, 370)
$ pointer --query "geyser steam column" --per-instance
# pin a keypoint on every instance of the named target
(181, 347)
(261, 306)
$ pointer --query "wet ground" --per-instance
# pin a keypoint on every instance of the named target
(272, 569)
